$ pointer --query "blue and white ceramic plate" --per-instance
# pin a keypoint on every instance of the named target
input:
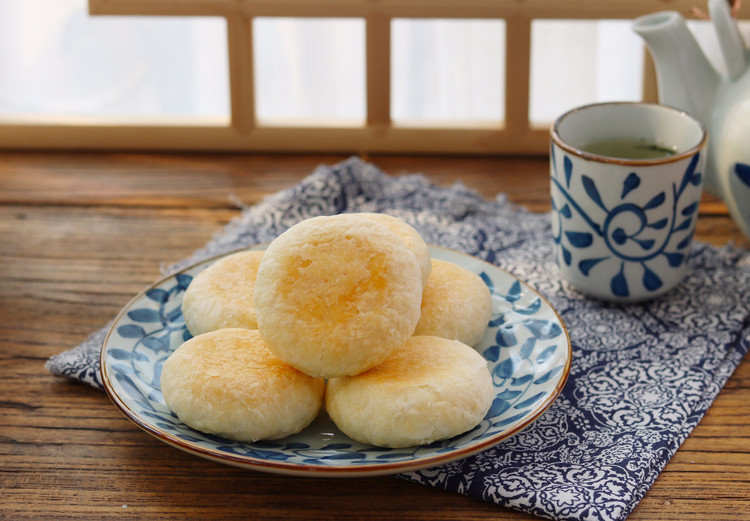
(526, 346)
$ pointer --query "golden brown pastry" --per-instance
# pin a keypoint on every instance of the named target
(409, 235)
(227, 382)
(221, 296)
(431, 389)
(337, 295)
(456, 304)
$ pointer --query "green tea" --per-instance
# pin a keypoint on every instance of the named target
(625, 148)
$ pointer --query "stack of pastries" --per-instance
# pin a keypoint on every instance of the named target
(346, 312)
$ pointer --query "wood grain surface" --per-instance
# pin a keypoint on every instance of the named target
(80, 234)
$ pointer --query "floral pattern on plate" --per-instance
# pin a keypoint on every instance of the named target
(526, 345)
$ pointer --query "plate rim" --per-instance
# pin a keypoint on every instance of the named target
(310, 469)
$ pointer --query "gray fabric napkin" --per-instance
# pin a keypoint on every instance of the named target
(642, 375)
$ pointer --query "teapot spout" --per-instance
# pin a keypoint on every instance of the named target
(730, 41)
(685, 78)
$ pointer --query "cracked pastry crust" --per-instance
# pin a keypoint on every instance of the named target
(431, 389)
(456, 304)
(409, 235)
(227, 382)
(337, 295)
(222, 295)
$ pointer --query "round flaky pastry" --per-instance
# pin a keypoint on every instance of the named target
(227, 382)
(221, 296)
(431, 389)
(337, 295)
(456, 304)
(409, 235)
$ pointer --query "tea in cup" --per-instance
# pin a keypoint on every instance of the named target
(626, 181)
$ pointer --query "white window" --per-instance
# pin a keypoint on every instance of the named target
(463, 76)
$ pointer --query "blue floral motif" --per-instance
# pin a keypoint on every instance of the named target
(573, 462)
(621, 396)
(526, 346)
(625, 225)
(152, 328)
(738, 196)
(743, 173)
(572, 498)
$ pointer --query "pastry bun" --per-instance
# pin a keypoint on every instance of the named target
(409, 235)
(221, 296)
(226, 382)
(337, 295)
(431, 389)
(456, 304)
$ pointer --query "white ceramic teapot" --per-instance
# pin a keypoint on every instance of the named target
(687, 80)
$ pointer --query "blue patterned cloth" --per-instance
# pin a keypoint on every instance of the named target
(642, 375)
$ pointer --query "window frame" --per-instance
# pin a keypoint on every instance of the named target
(516, 135)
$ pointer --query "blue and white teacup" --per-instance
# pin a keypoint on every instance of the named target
(626, 182)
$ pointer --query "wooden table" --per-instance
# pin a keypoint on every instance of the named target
(80, 234)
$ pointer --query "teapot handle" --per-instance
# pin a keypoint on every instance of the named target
(730, 40)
